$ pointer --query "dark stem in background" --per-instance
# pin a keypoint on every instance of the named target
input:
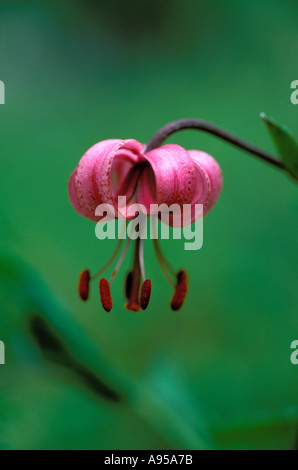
(204, 126)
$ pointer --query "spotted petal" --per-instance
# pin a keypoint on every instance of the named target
(169, 178)
(105, 168)
(209, 180)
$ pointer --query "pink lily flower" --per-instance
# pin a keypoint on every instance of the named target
(166, 175)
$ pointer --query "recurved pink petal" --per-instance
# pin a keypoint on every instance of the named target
(209, 179)
(85, 187)
(169, 178)
(99, 173)
(110, 172)
(72, 193)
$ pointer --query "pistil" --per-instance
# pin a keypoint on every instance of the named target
(133, 300)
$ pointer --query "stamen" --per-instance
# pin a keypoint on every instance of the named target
(120, 261)
(164, 264)
(145, 294)
(164, 259)
(114, 255)
(159, 253)
(105, 295)
(180, 291)
(83, 286)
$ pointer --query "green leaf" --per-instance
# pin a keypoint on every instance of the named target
(286, 144)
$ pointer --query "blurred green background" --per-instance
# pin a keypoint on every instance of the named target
(216, 374)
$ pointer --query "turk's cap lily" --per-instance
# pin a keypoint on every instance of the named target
(168, 175)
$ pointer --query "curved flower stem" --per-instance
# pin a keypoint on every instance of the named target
(210, 128)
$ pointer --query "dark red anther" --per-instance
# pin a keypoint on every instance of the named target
(83, 286)
(105, 295)
(145, 294)
(180, 291)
